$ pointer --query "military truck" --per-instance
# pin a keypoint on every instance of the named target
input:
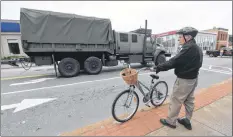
(73, 42)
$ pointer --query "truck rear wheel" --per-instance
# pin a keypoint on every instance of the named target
(69, 67)
(93, 65)
(160, 59)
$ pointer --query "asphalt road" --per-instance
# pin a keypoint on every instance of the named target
(78, 101)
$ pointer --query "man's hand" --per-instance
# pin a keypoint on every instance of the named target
(156, 69)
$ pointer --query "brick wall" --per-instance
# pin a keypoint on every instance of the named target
(221, 39)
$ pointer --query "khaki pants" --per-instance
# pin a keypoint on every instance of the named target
(183, 93)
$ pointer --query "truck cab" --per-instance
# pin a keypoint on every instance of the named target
(129, 43)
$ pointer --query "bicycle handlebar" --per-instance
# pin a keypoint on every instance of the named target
(147, 68)
(144, 68)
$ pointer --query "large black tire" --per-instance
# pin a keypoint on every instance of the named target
(160, 59)
(114, 105)
(93, 65)
(166, 92)
(69, 67)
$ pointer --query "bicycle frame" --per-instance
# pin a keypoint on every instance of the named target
(139, 86)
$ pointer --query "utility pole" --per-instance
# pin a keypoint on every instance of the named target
(144, 45)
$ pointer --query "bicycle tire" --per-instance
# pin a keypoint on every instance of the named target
(114, 103)
(159, 82)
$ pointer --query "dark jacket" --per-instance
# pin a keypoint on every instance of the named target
(186, 63)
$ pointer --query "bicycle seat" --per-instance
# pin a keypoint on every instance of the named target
(154, 76)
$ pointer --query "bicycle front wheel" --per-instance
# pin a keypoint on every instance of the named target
(159, 93)
(125, 106)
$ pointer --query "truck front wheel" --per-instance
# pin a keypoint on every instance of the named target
(160, 59)
(69, 67)
(93, 65)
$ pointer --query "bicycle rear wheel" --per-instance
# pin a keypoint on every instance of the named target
(126, 100)
(159, 95)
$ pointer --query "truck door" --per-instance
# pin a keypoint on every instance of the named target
(123, 44)
(136, 45)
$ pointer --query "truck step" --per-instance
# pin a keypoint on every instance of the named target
(148, 59)
(148, 56)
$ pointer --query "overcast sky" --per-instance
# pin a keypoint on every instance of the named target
(126, 16)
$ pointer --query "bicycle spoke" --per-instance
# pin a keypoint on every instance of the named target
(123, 102)
(118, 106)
(127, 111)
(132, 107)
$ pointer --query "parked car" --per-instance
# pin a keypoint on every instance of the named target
(215, 53)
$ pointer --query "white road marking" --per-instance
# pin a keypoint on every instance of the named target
(218, 66)
(210, 67)
(5, 107)
(31, 81)
(26, 103)
(58, 86)
(218, 71)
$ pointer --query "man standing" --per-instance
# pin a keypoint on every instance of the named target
(221, 52)
(186, 64)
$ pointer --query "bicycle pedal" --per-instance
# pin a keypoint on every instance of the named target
(147, 105)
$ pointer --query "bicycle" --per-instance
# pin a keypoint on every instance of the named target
(132, 95)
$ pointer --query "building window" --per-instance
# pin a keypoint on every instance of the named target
(164, 38)
(123, 37)
(134, 38)
(14, 48)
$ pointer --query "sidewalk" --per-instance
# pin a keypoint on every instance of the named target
(212, 120)
(212, 116)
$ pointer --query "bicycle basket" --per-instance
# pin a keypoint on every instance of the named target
(130, 76)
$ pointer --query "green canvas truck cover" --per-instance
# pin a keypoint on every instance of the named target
(39, 26)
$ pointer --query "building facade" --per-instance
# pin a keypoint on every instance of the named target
(11, 39)
(206, 40)
(229, 41)
(222, 37)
